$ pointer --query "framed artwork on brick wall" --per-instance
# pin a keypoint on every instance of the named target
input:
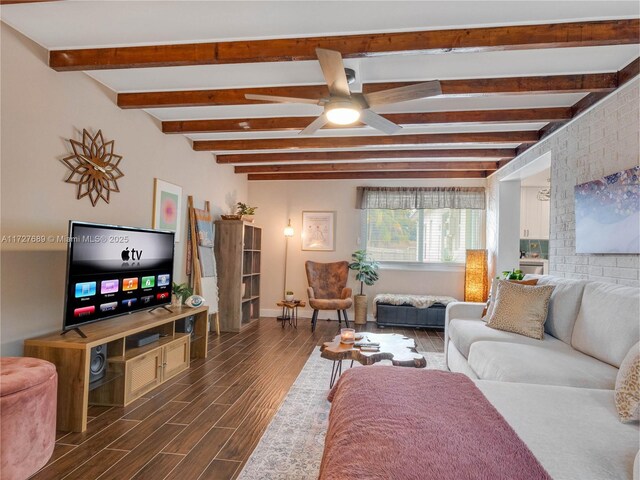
(608, 214)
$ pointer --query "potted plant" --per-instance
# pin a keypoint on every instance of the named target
(366, 273)
(245, 211)
(181, 292)
(288, 296)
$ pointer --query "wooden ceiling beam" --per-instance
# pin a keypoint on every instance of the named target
(413, 118)
(366, 175)
(12, 2)
(301, 143)
(345, 156)
(367, 167)
(484, 39)
(576, 83)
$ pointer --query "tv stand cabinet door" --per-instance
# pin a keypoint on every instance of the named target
(176, 357)
(143, 373)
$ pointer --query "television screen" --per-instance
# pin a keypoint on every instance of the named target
(115, 270)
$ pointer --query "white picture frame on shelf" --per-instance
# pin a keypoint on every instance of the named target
(319, 231)
(167, 207)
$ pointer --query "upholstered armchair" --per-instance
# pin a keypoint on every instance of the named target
(328, 289)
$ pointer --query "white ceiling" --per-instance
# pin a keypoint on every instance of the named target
(85, 24)
(374, 69)
(81, 24)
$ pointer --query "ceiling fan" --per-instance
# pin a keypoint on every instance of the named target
(343, 107)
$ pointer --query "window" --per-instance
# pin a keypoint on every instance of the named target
(425, 235)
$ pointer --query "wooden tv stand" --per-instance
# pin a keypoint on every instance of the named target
(131, 372)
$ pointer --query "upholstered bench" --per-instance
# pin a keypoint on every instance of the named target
(28, 398)
(397, 310)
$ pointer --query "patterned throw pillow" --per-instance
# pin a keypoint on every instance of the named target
(488, 309)
(628, 386)
(521, 309)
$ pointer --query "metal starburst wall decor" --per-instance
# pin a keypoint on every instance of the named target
(94, 167)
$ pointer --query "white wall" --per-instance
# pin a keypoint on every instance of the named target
(603, 140)
(41, 110)
(277, 201)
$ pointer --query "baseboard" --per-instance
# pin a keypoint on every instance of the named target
(307, 313)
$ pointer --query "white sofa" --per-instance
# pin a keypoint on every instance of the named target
(557, 393)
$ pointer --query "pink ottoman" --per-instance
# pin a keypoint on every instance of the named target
(28, 388)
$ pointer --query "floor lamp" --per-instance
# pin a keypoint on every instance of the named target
(288, 233)
(476, 276)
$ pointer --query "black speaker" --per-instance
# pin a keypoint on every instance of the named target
(186, 325)
(98, 364)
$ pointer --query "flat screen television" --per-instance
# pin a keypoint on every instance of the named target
(114, 270)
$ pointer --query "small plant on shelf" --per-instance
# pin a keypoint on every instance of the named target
(513, 275)
(245, 210)
(288, 296)
(181, 291)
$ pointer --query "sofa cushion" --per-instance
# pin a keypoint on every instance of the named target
(546, 363)
(628, 386)
(573, 432)
(607, 325)
(464, 332)
(521, 309)
(564, 305)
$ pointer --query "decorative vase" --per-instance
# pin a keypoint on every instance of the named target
(360, 306)
(176, 300)
(247, 218)
(289, 298)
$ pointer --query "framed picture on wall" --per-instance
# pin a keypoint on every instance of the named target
(319, 231)
(167, 206)
(608, 214)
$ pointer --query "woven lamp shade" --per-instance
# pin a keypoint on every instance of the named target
(476, 276)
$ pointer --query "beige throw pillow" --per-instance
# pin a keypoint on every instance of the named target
(521, 309)
(628, 386)
(488, 310)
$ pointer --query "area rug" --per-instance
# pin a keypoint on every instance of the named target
(292, 446)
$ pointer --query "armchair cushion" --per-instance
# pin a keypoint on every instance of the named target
(346, 293)
(330, 304)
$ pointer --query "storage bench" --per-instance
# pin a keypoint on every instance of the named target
(410, 316)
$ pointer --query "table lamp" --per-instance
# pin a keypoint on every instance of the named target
(476, 276)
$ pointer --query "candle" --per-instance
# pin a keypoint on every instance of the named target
(347, 335)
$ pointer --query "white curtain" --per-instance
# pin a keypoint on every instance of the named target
(409, 198)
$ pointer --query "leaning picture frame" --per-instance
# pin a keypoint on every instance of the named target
(318, 231)
(167, 207)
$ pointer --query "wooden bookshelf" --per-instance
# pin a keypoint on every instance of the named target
(238, 256)
(131, 371)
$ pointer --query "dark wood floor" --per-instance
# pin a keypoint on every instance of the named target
(205, 422)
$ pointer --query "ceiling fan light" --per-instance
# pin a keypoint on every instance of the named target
(343, 114)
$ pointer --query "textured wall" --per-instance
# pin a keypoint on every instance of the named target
(602, 141)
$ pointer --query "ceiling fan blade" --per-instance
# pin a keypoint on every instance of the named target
(276, 99)
(404, 94)
(316, 125)
(378, 122)
(333, 70)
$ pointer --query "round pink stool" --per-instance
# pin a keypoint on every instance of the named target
(28, 389)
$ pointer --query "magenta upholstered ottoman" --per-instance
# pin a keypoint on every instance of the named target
(28, 389)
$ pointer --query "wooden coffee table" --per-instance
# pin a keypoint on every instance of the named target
(399, 349)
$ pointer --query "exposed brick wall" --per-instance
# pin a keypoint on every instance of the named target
(602, 141)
